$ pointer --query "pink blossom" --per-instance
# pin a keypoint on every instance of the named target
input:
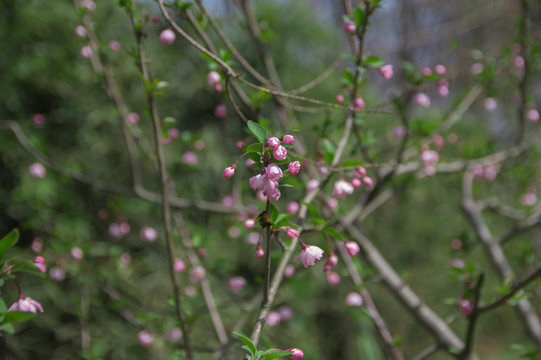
(167, 37)
(352, 247)
(333, 278)
(80, 30)
(259, 252)
(291, 232)
(37, 170)
(443, 91)
(37, 244)
(421, 99)
(132, 118)
(148, 233)
(114, 45)
(213, 78)
(292, 207)
(273, 318)
(289, 271)
(179, 265)
(294, 167)
(356, 182)
(236, 283)
(339, 98)
(342, 188)
(145, 338)
(197, 273)
(230, 171)
(296, 353)
(354, 299)
(57, 274)
(40, 263)
(263, 182)
(349, 27)
(440, 69)
(312, 185)
(274, 172)
(399, 132)
(490, 104)
(189, 158)
(429, 157)
(465, 306)
(386, 71)
(490, 172)
(273, 142)
(86, 51)
(289, 139)
(252, 238)
(426, 71)
(26, 304)
(220, 111)
(76, 253)
(249, 223)
(358, 103)
(332, 203)
(532, 115)
(309, 255)
(279, 153)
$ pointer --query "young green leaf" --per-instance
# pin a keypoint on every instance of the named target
(246, 340)
(17, 316)
(8, 241)
(276, 353)
(259, 131)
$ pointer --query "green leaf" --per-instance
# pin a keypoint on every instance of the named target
(373, 61)
(3, 307)
(281, 223)
(254, 148)
(313, 210)
(348, 77)
(8, 328)
(248, 351)
(358, 14)
(8, 241)
(349, 163)
(28, 267)
(259, 354)
(275, 354)
(259, 131)
(246, 340)
(18, 316)
(273, 213)
(332, 232)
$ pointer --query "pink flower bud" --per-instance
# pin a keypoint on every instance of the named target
(174, 335)
(190, 291)
(125, 258)
(352, 247)
(288, 139)
(331, 262)
(40, 263)
(359, 172)
(295, 353)
(339, 98)
(148, 234)
(342, 188)
(213, 78)
(438, 141)
(234, 232)
(37, 244)
(76, 253)
(289, 271)
(465, 306)
(259, 252)
(440, 69)
(332, 203)
(349, 27)
(179, 265)
(89, 5)
(386, 71)
(456, 244)
(285, 312)
(292, 207)
(354, 299)
(249, 162)
(273, 172)
(167, 37)
(80, 30)
(197, 273)
(421, 99)
(114, 45)
(220, 111)
(273, 318)
(279, 153)
(294, 167)
(490, 104)
(248, 224)
(312, 185)
(518, 62)
(38, 119)
(86, 51)
(37, 170)
(476, 68)
(57, 274)
(443, 91)
(273, 142)
(236, 284)
(333, 278)
(239, 144)
(145, 338)
(429, 157)
(532, 115)
(426, 71)
(399, 132)
(291, 232)
(189, 158)
(132, 118)
(358, 103)
(356, 182)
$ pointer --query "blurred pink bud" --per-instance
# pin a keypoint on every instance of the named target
(190, 291)
(349, 27)
(230, 171)
(354, 299)
(426, 71)
(155, 19)
(386, 71)
(295, 353)
(332, 203)
(249, 162)
(429, 157)
(342, 188)
(443, 91)
(429, 170)
(456, 244)
(440, 69)
(289, 271)
(288, 139)
(285, 312)
(173, 133)
(359, 172)
(518, 62)
(516, 48)
(291, 232)
(249, 223)
(89, 4)
(452, 138)
(228, 201)
(132, 118)
(190, 158)
(273, 318)
(179, 265)
(77, 253)
(528, 199)
(465, 306)
(421, 99)
(352, 247)
(37, 244)
(167, 37)
(309, 255)
(174, 335)
(236, 283)
(145, 338)
(273, 142)
(86, 51)
(323, 170)
(40, 263)
(399, 132)
(292, 207)
(37, 170)
(234, 232)
(259, 252)
(38, 119)
(149, 234)
(294, 167)
(220, 111)
(202, 252)
(532, 115)
(57, 274)
(358, 103)
(476, 68)
(438, 141)
(356, 182)
(197, 273)
(331, 262)
(26, 304)
(199, 145)
(252, 238)
(213, 78)
(490, 104)
(114, 45)
(80, 30)
(339, 98)
(279, 153)
(333, 278)
(239, 144)
(125, 258)
(218, 88)
(312, 185)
